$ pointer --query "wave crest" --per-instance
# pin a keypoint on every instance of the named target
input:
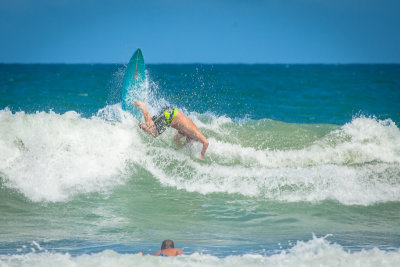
(52, 157)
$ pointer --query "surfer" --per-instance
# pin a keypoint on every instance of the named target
(168, 249)
(176, 119)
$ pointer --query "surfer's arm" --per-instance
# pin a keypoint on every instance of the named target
(179, 252)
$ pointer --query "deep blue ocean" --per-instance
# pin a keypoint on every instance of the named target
(303, 166)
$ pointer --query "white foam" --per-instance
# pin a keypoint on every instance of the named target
(51, 157)
(316, 252)
(363, 140)
(357, 164)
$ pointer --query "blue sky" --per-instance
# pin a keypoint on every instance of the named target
(203, 31)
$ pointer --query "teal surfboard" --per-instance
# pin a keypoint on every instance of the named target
(133, 86)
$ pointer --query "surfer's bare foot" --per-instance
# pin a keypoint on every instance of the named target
(205, 146)
(139, 104)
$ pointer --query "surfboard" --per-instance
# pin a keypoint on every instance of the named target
(134, 83)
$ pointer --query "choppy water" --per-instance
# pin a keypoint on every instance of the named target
(303, 166)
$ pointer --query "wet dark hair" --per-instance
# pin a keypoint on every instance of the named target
(167, 244)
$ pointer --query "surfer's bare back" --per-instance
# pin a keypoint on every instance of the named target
(172, 117)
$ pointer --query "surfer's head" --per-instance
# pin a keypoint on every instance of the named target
(167, 244)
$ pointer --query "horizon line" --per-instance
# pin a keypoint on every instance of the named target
(202, 63)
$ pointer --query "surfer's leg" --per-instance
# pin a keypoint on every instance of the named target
(188, 140)
(150, 127)
(198, 136)
(177, 138)
(204, 141)
(186, 127)
(146, 114)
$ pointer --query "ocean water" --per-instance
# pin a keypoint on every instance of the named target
(303, 167)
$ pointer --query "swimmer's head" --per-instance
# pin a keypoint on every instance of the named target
(167, 244)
